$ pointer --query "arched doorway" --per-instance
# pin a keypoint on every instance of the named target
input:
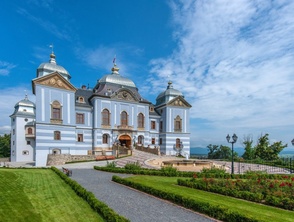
(125, 140)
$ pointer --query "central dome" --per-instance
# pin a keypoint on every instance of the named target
(116, 78)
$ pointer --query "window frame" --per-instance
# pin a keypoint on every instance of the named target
(80, 118)
(80, 137)
(105, 115)
(57, 135)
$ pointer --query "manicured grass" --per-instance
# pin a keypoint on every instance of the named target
(255, 210)
(40, 195)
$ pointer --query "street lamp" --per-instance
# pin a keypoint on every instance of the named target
(234, 137)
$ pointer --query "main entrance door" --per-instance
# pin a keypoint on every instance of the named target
(125, 140)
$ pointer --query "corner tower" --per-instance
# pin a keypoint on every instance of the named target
(174, 126)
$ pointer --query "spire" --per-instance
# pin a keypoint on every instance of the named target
(26, 95)
(52, 55)
(114, 69)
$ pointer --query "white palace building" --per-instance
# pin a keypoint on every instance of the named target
(82, 121)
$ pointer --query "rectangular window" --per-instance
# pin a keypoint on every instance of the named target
(153, 141)
(57, 135)
(153, 125)
(80, 118)
(80, 138)
(56, 113)
(160, 141)
(161, 126)
(28, 142)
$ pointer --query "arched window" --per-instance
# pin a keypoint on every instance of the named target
(124, 118)
(178, 124)
(56, 111)
(57, 135)
(105, 139)
(140, 140)
(178, 143)
(105, 117)
(140, 120)
(81, 99)
(30, 130)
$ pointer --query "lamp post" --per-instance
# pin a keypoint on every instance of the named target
(291, 158)
(234, 137)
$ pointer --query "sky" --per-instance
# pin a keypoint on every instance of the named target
(232, 60)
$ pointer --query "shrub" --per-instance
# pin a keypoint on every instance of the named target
(214, 170)
(169, 171)
(133, 166)
(111, 164)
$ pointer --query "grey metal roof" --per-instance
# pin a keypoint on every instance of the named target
(168, 94)
(116, 78)
(85, 93)
(25, 102)
(51, 66)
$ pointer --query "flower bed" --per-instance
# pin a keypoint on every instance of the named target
(274, 192)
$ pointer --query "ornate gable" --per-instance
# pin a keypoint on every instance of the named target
(54, 80)
(124, 94)
(179, 101)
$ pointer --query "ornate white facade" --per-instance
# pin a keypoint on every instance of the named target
(68, 120)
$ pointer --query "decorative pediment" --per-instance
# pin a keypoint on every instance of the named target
(179, 101)
(124, 95)
(54, 80)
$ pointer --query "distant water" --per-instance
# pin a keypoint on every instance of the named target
(203, 151)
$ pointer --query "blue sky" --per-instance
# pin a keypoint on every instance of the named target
(233, 60)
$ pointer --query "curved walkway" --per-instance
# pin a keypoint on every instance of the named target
(132, 204)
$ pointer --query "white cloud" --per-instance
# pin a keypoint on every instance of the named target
(45, 24)
(102, 57)
(8, 98)
(5, 68)
(234, 63)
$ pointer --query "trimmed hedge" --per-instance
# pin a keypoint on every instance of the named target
(215, 211)
(107, 213)
(171, 173)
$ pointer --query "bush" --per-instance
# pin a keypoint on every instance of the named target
(111, 164)
(169, 171)
(214, 170)
(133, 166)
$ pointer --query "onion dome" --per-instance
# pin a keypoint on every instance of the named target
(116, 78)
(167, 95)
(50, 67)
(24, 107)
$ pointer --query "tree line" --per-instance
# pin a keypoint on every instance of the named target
(263, 150)
(5, 145)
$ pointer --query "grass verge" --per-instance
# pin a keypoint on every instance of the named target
(39, 195)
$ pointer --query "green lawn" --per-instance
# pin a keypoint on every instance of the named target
(258, 211)
(40, 195)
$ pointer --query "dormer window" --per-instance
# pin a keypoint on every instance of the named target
(151, 109)
(81, 99)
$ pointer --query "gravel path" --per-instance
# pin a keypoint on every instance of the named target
(130, 203)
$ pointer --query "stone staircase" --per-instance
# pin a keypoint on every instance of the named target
(138, 156)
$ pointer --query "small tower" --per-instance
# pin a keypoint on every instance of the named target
(174, 122)
(23, 131)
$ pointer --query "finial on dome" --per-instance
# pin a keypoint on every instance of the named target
(170, 84)
(52, 55)
(114, 69)
(26, 95)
